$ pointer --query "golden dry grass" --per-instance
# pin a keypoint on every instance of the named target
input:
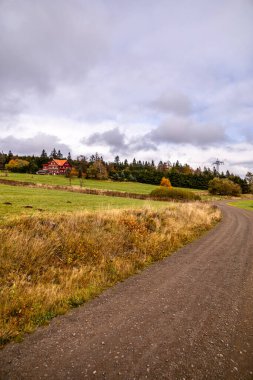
(52, 263)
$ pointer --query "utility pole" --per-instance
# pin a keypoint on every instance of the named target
(217, 163)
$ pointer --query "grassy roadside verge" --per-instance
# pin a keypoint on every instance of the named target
(50, 264)
(245, 204)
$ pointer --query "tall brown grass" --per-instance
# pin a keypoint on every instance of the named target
(52, 263)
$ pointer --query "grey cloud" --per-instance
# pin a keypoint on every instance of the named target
(112, 138)
(33, 145)
(118, 142)
(102, 62)
(175, 103)
(248, 163)
(182, 130)
(44, 42)
(141, 144)
(10, 106)
(236, 148)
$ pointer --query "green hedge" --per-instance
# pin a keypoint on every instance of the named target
(224, 186)
(173, 193)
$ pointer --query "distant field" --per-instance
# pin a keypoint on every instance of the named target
(130, 187)
(25, 201)
(247, 205)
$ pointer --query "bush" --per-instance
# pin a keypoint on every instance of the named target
(17, 165)
(172, 193)
(221, 186)
(165, 182)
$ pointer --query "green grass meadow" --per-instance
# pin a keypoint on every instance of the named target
(60, 180)
(18, 200)
(130, 187)
(245, 204)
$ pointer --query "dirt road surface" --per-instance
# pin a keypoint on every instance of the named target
(189, 316)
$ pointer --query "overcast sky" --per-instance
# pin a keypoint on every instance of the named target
(150, 79)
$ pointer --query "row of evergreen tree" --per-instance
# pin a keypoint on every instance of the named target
(180, 175)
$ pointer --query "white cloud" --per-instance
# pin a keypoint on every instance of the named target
(174, 73)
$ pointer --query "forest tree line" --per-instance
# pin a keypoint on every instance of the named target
(95, 167)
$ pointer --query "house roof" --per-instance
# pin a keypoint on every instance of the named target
(60, 162)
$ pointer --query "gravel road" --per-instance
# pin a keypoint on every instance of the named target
(189, 316)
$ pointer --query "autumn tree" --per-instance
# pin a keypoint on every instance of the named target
(70, 173)
(165, 182)
(97, 170)
(17, 165)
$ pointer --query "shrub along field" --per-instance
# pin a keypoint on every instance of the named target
(174, 193)
(52, 262)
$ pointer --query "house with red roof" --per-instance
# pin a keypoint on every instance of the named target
(56, 167)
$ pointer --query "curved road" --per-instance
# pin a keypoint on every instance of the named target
(187, 317)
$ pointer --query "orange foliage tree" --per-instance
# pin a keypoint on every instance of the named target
(165, 182)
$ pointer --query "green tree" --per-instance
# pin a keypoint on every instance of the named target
(69, 158)
(9, 156)
(33, 167)
(249, 179)
(43, 154)
(53, 154)
(223, 186)
(3, 160)
(59, 155)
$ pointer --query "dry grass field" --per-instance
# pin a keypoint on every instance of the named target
(52, 262)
